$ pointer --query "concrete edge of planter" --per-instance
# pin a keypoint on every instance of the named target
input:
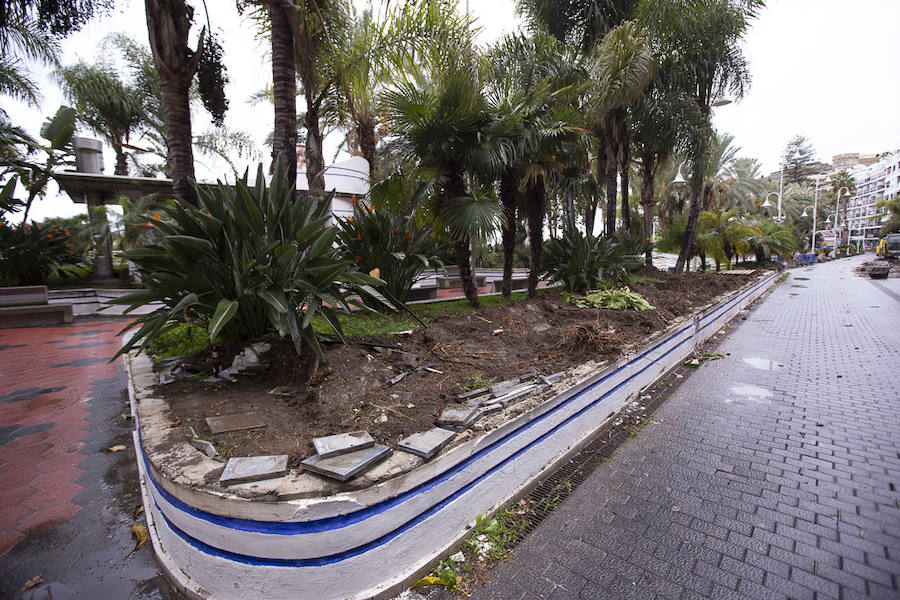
(182, 560)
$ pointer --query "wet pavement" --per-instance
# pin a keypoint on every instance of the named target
(67, 504)
(770, 473)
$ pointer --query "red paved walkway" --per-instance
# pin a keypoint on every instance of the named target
(45, 381)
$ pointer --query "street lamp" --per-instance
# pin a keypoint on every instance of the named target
(767, 204)
(837, 209)
(818, 179)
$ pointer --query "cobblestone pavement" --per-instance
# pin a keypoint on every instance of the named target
(66, 504)
(773, 474)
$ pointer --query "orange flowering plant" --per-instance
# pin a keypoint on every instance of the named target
(385, 240)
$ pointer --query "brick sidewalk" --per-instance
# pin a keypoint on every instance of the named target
(773, 474)
(66, 505)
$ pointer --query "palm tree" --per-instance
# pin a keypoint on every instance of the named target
(727, 234)
(440, 119)
(771, 239)
(169, 23)
(662, 121)
(531, 97)
(622, 67)
(105, 105)
(703, 41)
(375, 51)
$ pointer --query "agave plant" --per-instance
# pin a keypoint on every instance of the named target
(244, 263)
(582, 262)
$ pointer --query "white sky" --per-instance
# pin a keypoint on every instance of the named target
(824, 69)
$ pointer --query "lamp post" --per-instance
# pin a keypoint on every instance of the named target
(818, 179)
(837, 209)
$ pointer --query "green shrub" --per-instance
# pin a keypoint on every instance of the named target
(29, 252)
(581, 263)
(247, 262)
(389, 242)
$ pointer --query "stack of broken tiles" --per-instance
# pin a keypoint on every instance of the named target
(345, 455)
(254, 468)
(458, 418)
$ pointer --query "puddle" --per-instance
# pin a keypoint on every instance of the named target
(762, 363)
(801, 286)
(753, 393)
(802, 278)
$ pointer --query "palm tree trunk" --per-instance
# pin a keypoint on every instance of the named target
(536, 203)
(690, 230)
(612, 164)
(570, 212)
(284, 90)
(648, 170)
(623, 154)
(168, 23)
(455, 187)
(509, 200)
(590, 215)
(315, 157)
(365, 134)
(121, 161)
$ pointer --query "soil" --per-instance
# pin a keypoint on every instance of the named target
(864, 269)
(352, 389)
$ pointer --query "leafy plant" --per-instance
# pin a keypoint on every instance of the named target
(29, 252)
(246, 262)
(390, 242)
(615, 299)
(582, 262)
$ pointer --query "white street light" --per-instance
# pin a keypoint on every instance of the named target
(812, 243)
(679, 178)
(805, 214)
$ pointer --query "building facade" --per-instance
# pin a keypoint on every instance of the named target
(877, 181)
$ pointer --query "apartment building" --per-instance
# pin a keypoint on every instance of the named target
(876, 181)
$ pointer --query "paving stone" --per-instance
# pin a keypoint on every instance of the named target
(237, 422)
(347, 466)
(253, 468)
(458, 418)
(781, 496)
(426, 443)
(473, 394)
(514, 393)
(342, 443)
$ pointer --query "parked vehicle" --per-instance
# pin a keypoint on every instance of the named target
(889, 246)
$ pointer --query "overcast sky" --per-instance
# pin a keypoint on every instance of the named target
(824, 69)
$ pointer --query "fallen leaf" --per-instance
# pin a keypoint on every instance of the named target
(140, 534)
(36, 580)
(138, 510)
(679, 376)
(115, 448)
(125, 416)
(658, 422)
(430, 580)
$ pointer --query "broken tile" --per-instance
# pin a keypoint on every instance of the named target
(515, 393)
(342, 443)
(500, 388)
(205, 447)
(347, 466)
(253, 468)
(473, 394)
(407, 358)
(286, 391)
(426, 443)
(491, 408)
(458, 418)
(234, 422)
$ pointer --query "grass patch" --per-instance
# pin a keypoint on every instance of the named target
(182, 340)
(360, 323)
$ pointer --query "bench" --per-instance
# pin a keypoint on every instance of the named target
(27, 306)
(518, 283)
(456, 282)
(426, 292)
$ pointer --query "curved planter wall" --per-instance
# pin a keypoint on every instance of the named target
(370, 542)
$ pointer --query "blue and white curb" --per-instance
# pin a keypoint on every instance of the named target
(370, 543)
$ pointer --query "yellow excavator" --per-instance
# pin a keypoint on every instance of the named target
(889, 246)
